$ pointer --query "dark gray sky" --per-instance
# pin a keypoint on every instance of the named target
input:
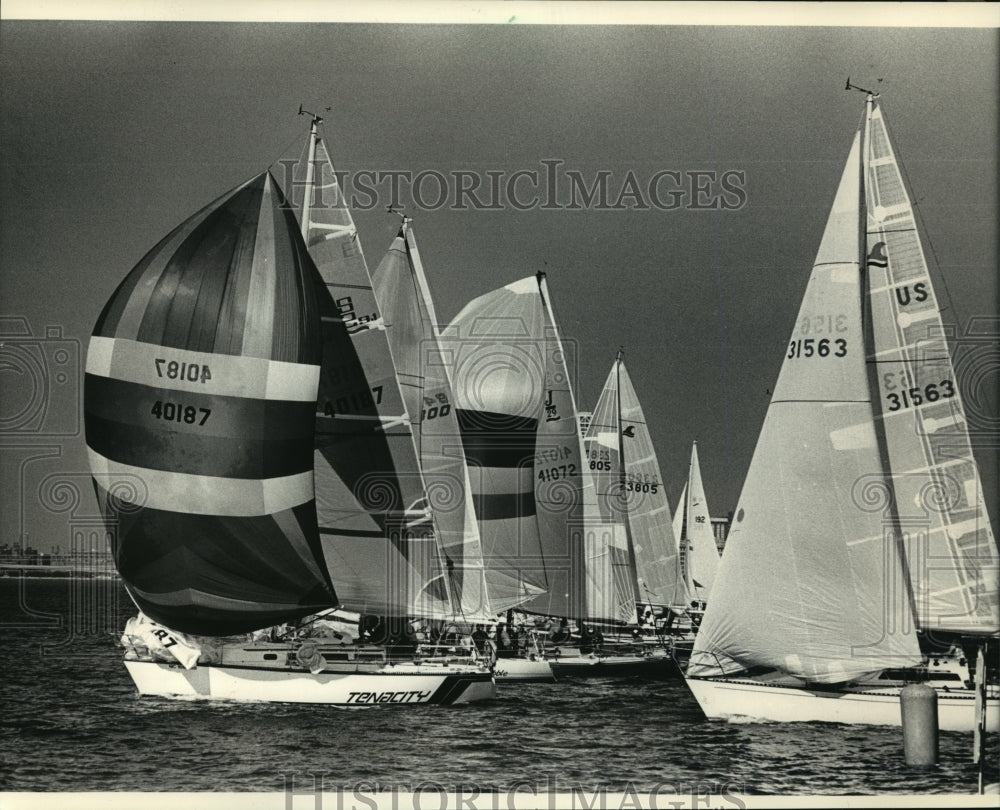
(112, 133)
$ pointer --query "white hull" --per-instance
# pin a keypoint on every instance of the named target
(655, 664)
(393, 683)
(523, 670)
(751, 700)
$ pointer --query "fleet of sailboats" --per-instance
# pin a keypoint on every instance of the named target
(315, 493)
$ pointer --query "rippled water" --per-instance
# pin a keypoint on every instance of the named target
(72, 721)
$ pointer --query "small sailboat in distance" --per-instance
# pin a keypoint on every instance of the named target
(861, 549)
(696, 536)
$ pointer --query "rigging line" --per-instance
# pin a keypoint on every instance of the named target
(302, 133)
(920, 216)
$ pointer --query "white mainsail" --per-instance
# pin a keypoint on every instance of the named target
(699, 538)
(950, 547)
(812, 582)
(411, 326)
(630, 490)
(374, 521)
(678, 526)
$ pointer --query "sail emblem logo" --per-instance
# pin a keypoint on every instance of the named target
(877, 257)
(629, 431)
(551, 414)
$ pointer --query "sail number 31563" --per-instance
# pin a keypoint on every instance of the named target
(811, 347)
(911, 397)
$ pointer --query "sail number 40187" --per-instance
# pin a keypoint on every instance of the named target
(811, 347)
(176, 370)
(177, 412)
(911, 397)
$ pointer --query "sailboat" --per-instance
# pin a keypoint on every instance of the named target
(543, 534)
(861, 532)
(630, 489)
(630, 492)
(412, 329)
(250, 450)
(696, 537)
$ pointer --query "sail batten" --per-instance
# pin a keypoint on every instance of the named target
(951, 549)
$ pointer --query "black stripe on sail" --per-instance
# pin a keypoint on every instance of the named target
(372, 533)
(497, 439)
(217, 575)
(493, 506)
(198, 434)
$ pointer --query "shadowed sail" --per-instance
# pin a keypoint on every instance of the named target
(200, 388)
(411, 326)
(375, 525)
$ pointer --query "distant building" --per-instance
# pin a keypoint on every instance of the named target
(720, 526)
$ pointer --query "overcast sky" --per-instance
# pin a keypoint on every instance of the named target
(113, 132)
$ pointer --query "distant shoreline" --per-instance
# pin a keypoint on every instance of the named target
(40, 573)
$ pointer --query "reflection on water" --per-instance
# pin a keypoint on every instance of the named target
(73, 722)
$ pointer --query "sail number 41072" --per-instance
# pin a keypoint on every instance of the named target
(555, 473)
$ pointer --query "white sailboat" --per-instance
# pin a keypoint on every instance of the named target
(412, 328)
(861, 527)
(542, 531)
(630, 489)
(251, 450)
(696, 537)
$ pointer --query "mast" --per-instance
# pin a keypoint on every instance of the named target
(310, 171)
(686, 528)
(622, 478)
(893, 520)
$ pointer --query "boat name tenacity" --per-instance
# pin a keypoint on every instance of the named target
(548, 187)
(415, 696)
